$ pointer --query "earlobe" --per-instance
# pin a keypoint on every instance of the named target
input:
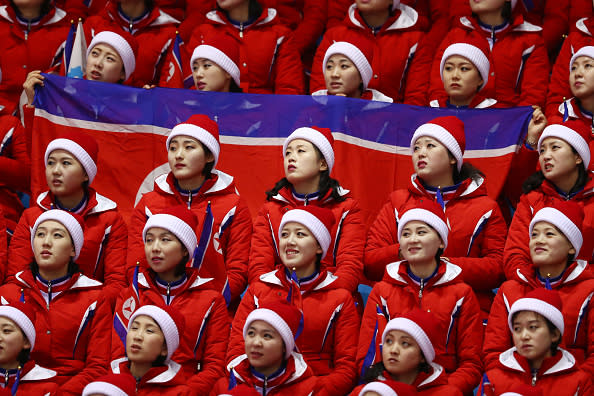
(323, 165)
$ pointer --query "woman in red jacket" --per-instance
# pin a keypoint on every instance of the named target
(555, 240)
(347, 71)
(72, 316)
(308, 160)
(225, 222)
(536, 323)
(564, 157)
(152, 337)
(408, 353)
(330, 321)
(71, 166)
(169, 241)
(214, 65)
(270, 363)
(478, 229)
(427, 281)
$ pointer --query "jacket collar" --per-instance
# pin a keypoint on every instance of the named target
(268, 16)
(277, 278)
(446, 273)
(518, 24)
(296, 369)
(156, 17)
(156, 375)
(97, 203)
(562, 361)
(434, 378)
(549, 189)
(584, 25)
(194, 280)
(468, 187)
(219, 182)
(38, 373)
(286, 195)
(405, 17)
(578, 271)
(78, 281)
(54, 16)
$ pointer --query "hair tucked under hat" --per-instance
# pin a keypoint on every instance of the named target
(201, 128)
(449, 131)
(575, 133)
(320, 137)
(359, 51)
(542, 301)
(587, 50)
(476, 51)
(223, 50)
(74, 225)
(82, 146)
(180, 221)
(420, 325)
(170, 321)
(125, 45)
(428, 212)
(112, 385)
(24, 316)
(567, 217)
(319, 221)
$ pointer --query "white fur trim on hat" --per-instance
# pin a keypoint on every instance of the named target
(75, 149)
(315, 138)
(443, 135)
(473, 54)
(313, 224)
(103, 388)
(427, 217)
(178, 227)
(72, 225)
(217, 56)
(415, 331)
(539, 306)
(200, 134)
(274, 320)
(165, 322)
(379, 388)
(574, 139)
(511, 394)
(355, 55)
(119, 44)
(22, 320)
(587, 50)
(562, 222)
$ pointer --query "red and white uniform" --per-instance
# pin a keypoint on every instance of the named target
(33, 380)
(184, 9)
(295, 378)
(15, 168)
(204, 342)
(451, 301)
(72, 325)
(81, 8)
(575, 112)
(155, 34)
(224, 228)
(475, 241)
(434, 383)
(104, 249)
(266, 63)
(478, 102)
(576, 289)
(579, 9)
(559, 89)
(394, 49)
(345, 253)
(25, 48)
(328, 341)
(521, 64)
(517, 254)
(158, 381)
(558, 375)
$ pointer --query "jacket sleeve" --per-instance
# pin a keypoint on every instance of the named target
(236, 345)
(436, 90)
(469, 335)
(289, 76)
(516, 253)
(135, 253)
(349, 256)
(555, 24)
(263, 256)
(316, 80)
(483, 270)
(587, 365)
(312, 25)
(342, 378)
(497, 334)
(119, 326)
(579, 9)
(337, 11)
(114, 260)
(98, 351)
(15, 169)
(215, 341)
(535, 77)
(237, 238)
(417, 80)
(382, 243)
(20, 253)
(559, 84)
(368, 332)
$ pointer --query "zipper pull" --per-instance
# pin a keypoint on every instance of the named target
(306, 199)
(241, 30)
(265, 386)
(189, 199)
(6, 378)
(534, 379)
(131, 26)
(49, 294)
(168, 290)
(421, 290)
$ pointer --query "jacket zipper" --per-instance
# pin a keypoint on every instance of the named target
(49, 294)
(241, 29)
(421, 291)
(534, 379)
(189, 199)
(168, 290)
(265, 386)
(6, 377)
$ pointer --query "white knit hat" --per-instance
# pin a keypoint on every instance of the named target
(180, 221)
(574, 132)
(120, 44)
(471, 52)
(320, 137)
(587, 50)
(542, 301)
(567, 217)
(378, 387)
(356, 56)
(170, 322)
(24, 316)
(112, 385)
(82, 146)
(73, 225)
(222, 50)
(201, 128)
(318, 220)
(421, 326)
(428, 212)
(449, 130)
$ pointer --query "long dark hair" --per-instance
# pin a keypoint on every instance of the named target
(535, 180)
(72, 267)
(375, 371)
(552, 328)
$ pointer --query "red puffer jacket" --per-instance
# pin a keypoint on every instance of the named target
(451, 300)
(224, 229)
(338, 10)
(559, 88)
(103, 253)
(521, 64)
(296, 379)
(266, 63)
(202, 348)
(558, 375)
(475, 241)
(33, 380)
(72, 329)
(345, 254)
(26, 48)
(517, 254)
(15, 167)
(579, 9)
(328, 341)
(155, 35)
(158, 381)
(394, 49)
(576, 288)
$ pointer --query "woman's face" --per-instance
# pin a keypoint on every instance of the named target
(12, 342)
(187, 158)
(461, 79)
(548, 246)
(374, 5)
(581, 77)
(532, 337)
(557, 160)
(145, 341)
(401, 354)
(298, 247)
(302, 162)
(486, 6)
(64, 174)
(163, 251)
(432, 161)
(342, 77)
(104, 64)
(264, 347)
(208, 76)
(52, 246)
(419, 242)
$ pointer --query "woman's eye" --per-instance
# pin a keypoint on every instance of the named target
(57, 235)
(405, 344)
(40, 234)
